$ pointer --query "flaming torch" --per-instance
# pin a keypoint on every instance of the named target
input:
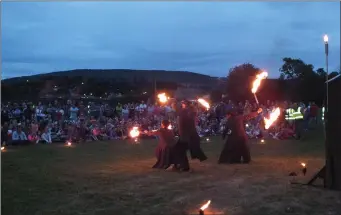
(256, 83)
(204, 103)
(134, 133)
(203, 208)
(304, 168)
(273, 117)
(162, 98)
(170, 127)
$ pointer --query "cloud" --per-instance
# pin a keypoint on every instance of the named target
(204, 37)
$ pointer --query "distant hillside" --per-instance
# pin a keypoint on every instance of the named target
(125, 75)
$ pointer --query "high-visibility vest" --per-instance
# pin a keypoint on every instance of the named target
(297, 115)
(288, 114)
(322, 113)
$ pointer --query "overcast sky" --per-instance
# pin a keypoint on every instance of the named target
(203, 37)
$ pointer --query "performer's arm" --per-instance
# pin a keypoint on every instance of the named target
(252, 115)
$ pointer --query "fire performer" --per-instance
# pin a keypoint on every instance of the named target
(236, 148)
(188, 138)
(165, 149)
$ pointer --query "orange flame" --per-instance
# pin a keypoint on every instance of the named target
(2, 148)
(134, 132)
(204, 103)
(303, 164)
(205, 206)
(69, 143)
(170, 127)
(258, 80)
(162, 97)
(273, 117)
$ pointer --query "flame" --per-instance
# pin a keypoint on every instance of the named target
(262, 140)
(205, 205)
(170, 127)
(303, 164)
(204, 103)
(256, 83)
(69, 143)
(325, 38)
(134, 132)
(273, 117)
(2, 148)
(162, 97)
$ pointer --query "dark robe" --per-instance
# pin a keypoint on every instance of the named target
(164, 150)
(236, 148)
(188, 139)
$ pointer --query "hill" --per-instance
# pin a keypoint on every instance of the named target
(123, 75)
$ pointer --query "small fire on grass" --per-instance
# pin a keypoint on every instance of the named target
(207, 139)
(262, 141)
(2, 148)
(204, 207)
(304, 168)
(69, 143)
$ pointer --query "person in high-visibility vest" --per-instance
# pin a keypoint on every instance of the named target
(297, 115)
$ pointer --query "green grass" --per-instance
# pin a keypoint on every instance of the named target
(115, 178)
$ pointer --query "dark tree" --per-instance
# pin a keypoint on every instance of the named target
(239, 81)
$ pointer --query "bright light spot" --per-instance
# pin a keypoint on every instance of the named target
(303, 164)
(205, 205)
(69, 143)
(2, 148)
(325, 38)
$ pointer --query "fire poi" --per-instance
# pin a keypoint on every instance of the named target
(2, 148)
(257, 82)
(204, 103)
(134, 133)
(69, 143)
(162, 97)
(204, 207)
(170, 127)
(272, 118)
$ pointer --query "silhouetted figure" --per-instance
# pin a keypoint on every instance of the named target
(236, 149)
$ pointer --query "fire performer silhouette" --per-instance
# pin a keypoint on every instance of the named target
(236, 149)
(188, 138)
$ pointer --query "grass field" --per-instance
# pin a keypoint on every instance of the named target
(115, 178)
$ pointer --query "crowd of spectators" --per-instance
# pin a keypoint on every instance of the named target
(75, 121)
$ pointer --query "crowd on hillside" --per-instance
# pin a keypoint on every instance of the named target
(76, 121)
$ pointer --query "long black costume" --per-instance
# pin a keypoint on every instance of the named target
(236, 148)
(164, 151)
(188, 139)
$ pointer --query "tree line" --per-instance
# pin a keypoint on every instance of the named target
(298, 81)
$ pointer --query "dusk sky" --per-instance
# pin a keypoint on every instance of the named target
(203, 37)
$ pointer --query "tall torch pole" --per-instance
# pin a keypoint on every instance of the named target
(325, 38)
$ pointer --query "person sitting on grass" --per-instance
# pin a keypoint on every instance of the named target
(19, 137)
(46, 136)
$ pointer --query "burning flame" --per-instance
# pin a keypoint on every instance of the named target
(258, 80)
(205, 205)
(170, 127)
(303, 164)
(162, 97)
(69, 143)
(273, 117)
(204, 103)
(262, 140)
(134, 132)
(2, 148)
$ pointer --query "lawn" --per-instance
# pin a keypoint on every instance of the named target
(115, 178)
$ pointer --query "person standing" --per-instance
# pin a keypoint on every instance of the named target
(188, 138)
(236, 149)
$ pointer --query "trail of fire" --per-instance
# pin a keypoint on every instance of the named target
(204, 103)
(272, 118)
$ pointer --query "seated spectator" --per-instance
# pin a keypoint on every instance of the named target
(46, 136)
(19, 137)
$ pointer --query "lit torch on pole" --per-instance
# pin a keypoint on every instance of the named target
(256, 83)
(204, 207)
(304, 168)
